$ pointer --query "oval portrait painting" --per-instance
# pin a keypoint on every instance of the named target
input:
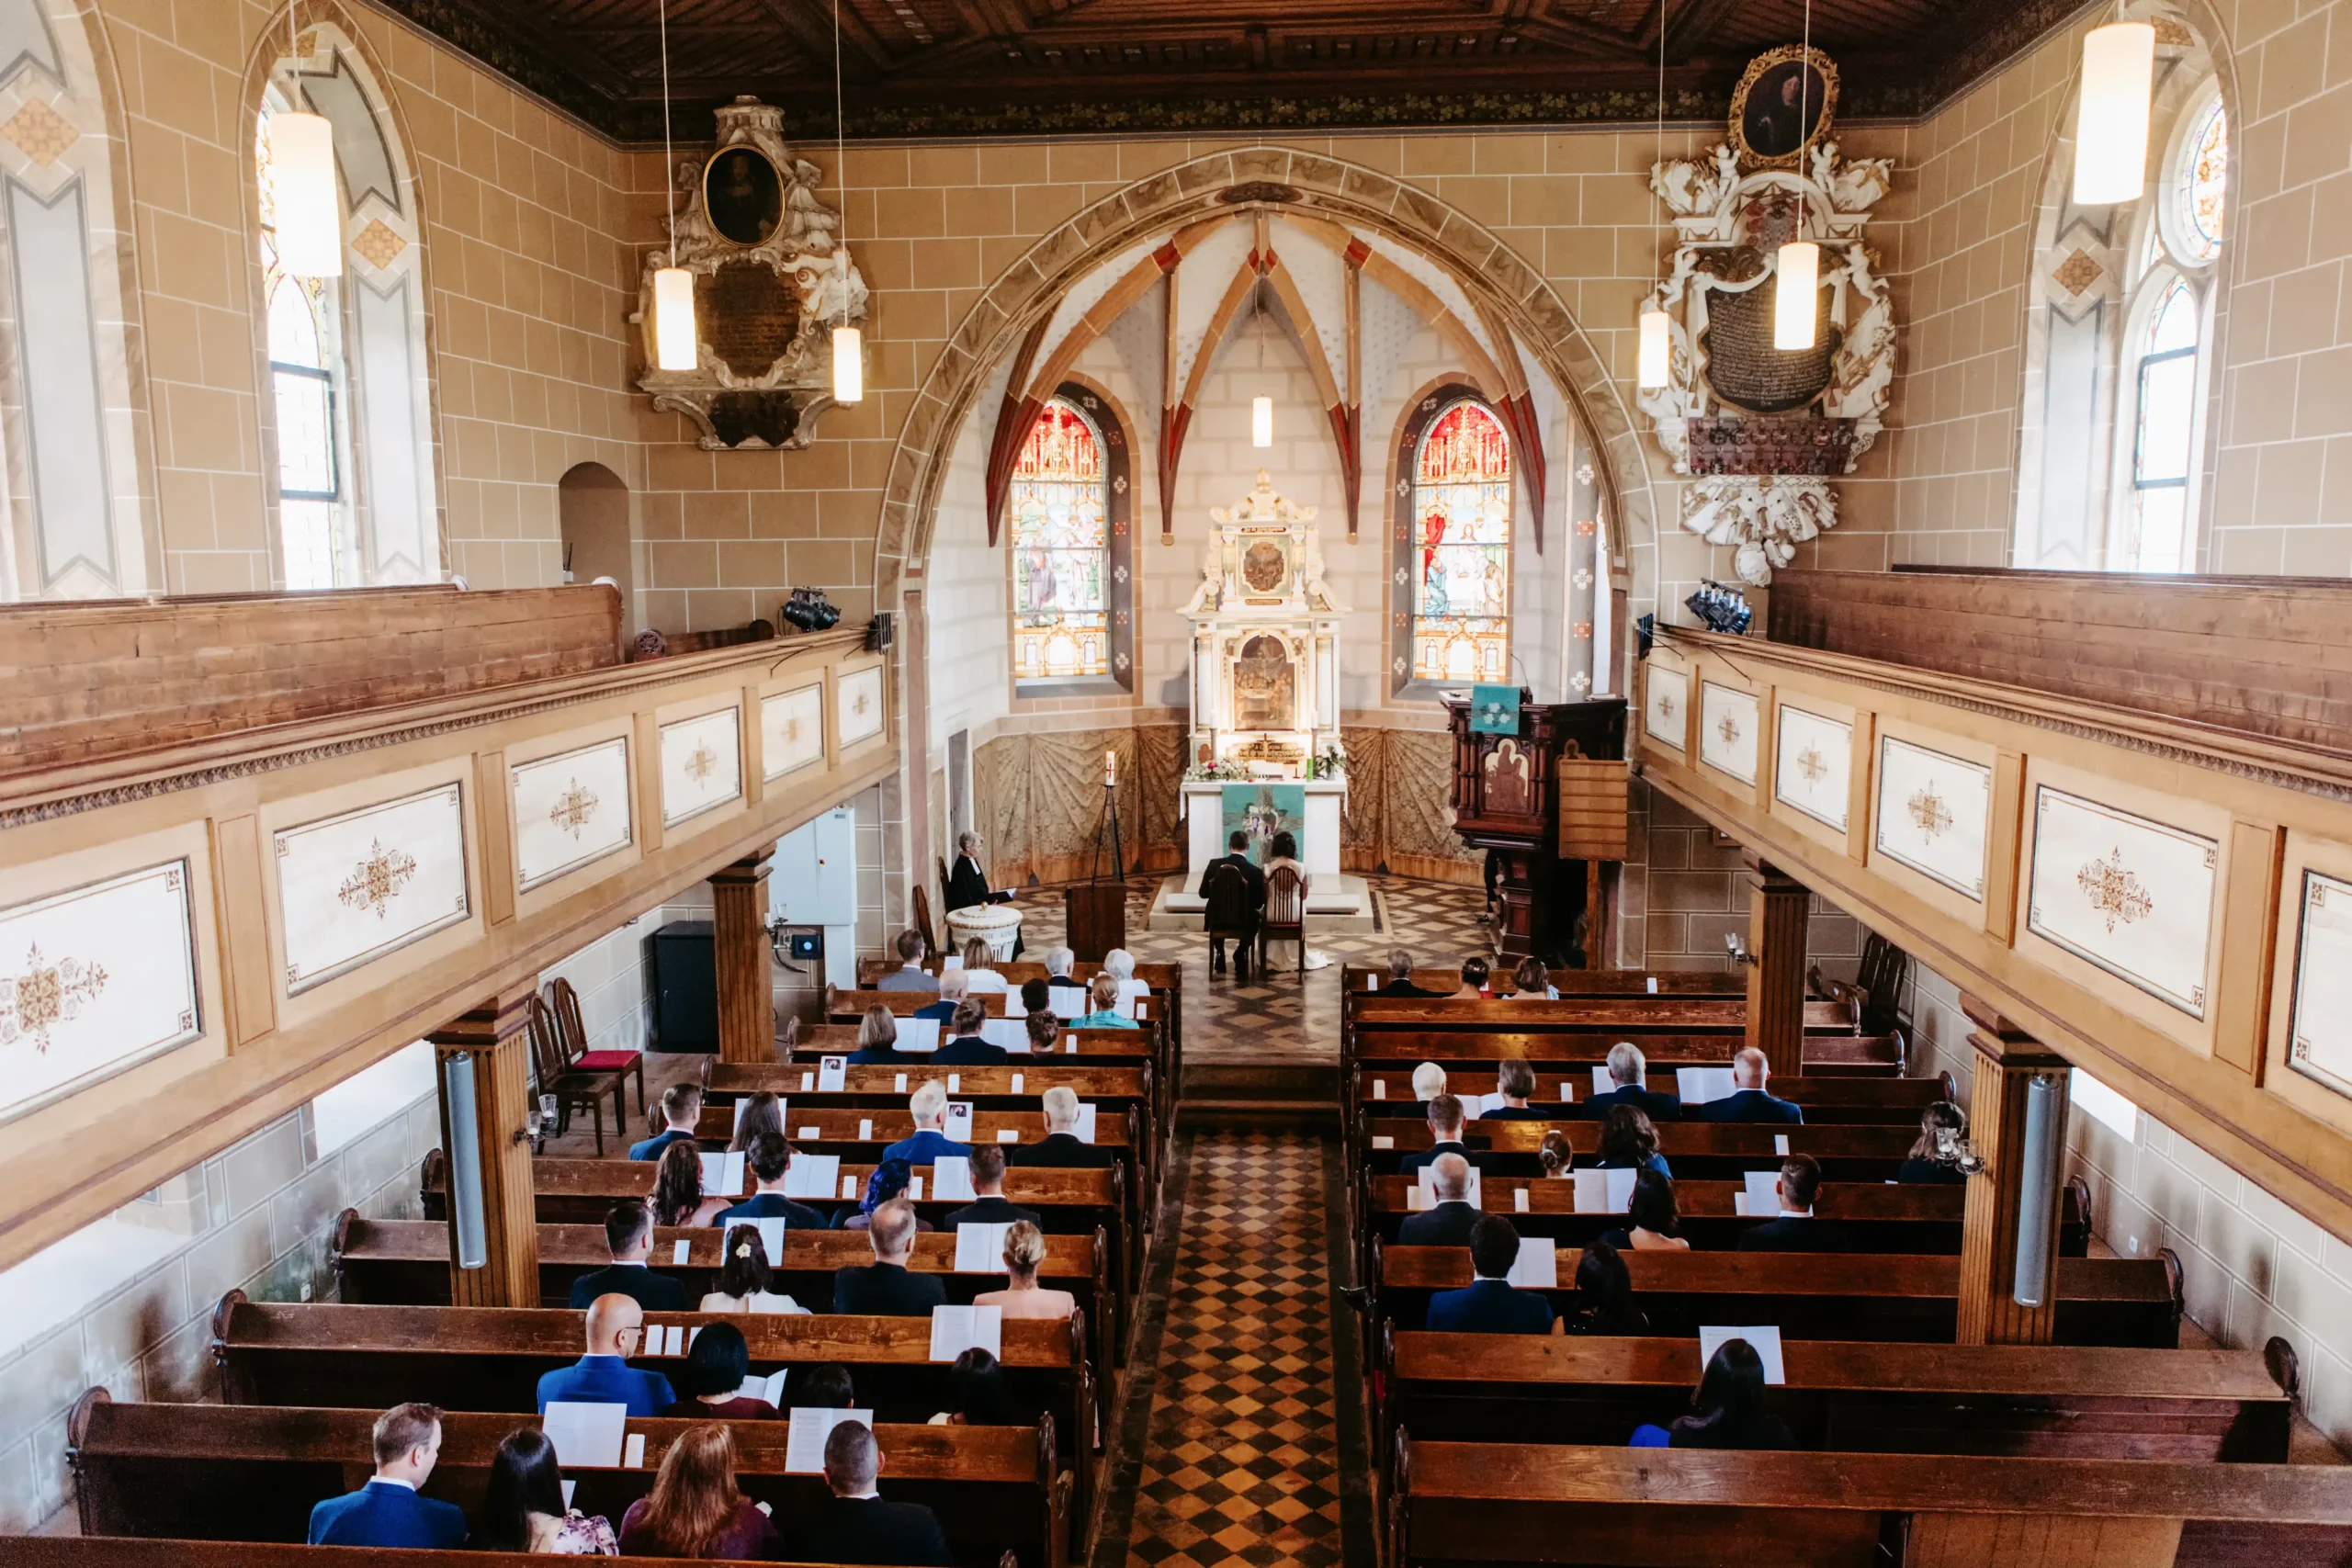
(1783, 103)
(743, 195)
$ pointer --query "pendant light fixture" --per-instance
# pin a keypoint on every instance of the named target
(849, 344)
(674, 344)
(2111, 118)
(1261, 407)
(1796, 296)
(308, 207)
(1653, 363)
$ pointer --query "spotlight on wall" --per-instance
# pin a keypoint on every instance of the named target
(809, 611)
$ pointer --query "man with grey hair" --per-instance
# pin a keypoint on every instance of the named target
(910, 976)
(1061, 1146)
(857, 1524)
(1449, 1220)
(1400, 978)
(954, 985)
(1059, 962)
(1627, 1070)
(885, 1288)
(928, 1106)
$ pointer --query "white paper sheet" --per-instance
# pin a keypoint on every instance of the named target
(1066, 1002)
(809, 1133)
(585, 1436)
(1781, 1145)
(568, 1485)
(831, 1072)
(1537, 1267)
(807, 1083)
(675, 1340)
(633, 1452)
(1765, 1337)
(1601, 1082)
(1380, 1089)
(959, 1121)
(901, 1085)
(914, 1189)
(1085, 1122)
(951, 1179)
(953, 961)
(1382, 1141)
(1018, 1079)
(770, 1388)
(979, 1249)
(1568, 1091)
(1696, 1086)
(1008, 1134)
(919, 1034)
(680, 1253)
(849, 1187)
(1416, 1199)
(1372, 982)
(803, 1445)
(1762, 1190)
(1131, 990)
(740, 1101)
(865, 1129)
(1518, 1200)
(954, 1086)
(772, 1239)
(1653, 979)
(955, 1329)
(813, 1176)
(1603, 1191)
(1070, 1045)
(722, 1176)
(1012, 1033)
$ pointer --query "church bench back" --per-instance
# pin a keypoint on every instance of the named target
(1567, 982)
(1158, 976)
(1688, 1015)
(103, 1551)
(724, 1082)
(1579, 1051)
(1858, 1395)
(849, 1007)
(838, 1130)
(1820, 1295)
(1827, 1097)
(251, 1473)
(1716, 1150)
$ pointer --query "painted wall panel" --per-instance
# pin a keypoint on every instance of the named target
(354, 888)
(570, 810)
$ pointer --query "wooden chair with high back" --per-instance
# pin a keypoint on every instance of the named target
(1230, 916)
(1284, 918)
(571, 1086)
(571, 1038)
(923, 921)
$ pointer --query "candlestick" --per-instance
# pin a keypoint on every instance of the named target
(1110, 770)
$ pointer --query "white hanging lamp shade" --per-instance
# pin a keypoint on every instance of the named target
(2112, 127)
(849, 365)
(1261, 421)
(303, 191)
(674, 319)
(1796, 296)
(1656, 349)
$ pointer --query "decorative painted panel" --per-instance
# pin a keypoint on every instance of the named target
(2131, 895)
(792, 730)
(1728, 720)
(93, 981)
(355, 887)
(569, 809)
(2320, 1039)
(1666, 705)
(859, 695)
(1932, 814)
(1814, 767)
(702, 764)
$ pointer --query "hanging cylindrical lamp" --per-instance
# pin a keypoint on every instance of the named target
(1656, 349)
(1796, 297)
(1261, 421)
(849, 344)
(2111, 123)
(674, 319)
(303, 191)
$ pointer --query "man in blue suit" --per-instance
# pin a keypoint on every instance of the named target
(681, 1109)
(770, 1158)
(1748, 1100)
(955, 984)
(628, 1236)
(928, 1106)
(387, 1511)
(603, 1376)
(966, 1046)
(1491, 1304)
(1628, 1069)
(1445, 1137)
(1794, 1229)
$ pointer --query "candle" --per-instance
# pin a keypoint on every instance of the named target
(1110, 770)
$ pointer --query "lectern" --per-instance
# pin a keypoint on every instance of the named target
(1548, 801)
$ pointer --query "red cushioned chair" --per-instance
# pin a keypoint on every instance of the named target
(571, 1036)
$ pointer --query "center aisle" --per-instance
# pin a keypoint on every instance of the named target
(1243, 1451)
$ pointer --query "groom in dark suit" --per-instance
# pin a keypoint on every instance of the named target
(1237, 857)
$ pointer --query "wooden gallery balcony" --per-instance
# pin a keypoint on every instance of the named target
(2118, 808)
(249, 845)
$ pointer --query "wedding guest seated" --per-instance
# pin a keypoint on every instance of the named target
(1515, 1080)
(677, 1188)
(887, 1180)
(1726, 1409)
(1557, 1157)
(769, 1160)
(1475, 975)
(1629, 1141)
(1604, 1302)
(966, 1046)
(928, 1106)
(857, 1524)
(1935, 1157)
(1445, 1130)
(1036, 997)
(1795, 1229)
(629, 1238)
(884, 1287)
(911, 976)
(1532, 981)
(1043, 1029)
(681, 1108)
(717, 1364)
(1491, 1304)
(1025, 1253)
(746, 1281)
(523, 1507)
(387, 1511)
(979, 963)
(1653, 1221)
(1428, 1082)
(989, 1206)
(1120, 964)
(878, 1040)
(1749, 1100)
(603, 1376)
(825, 1386)
(694, 1508)
(1400, 977)
(1629, 1070)
(978, 1395)
(1061, 1146)
(1059, 962)
(763, 1113)
(1447, 1221)
(1103, 992)
(955, 984)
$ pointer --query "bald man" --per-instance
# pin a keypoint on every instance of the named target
(603, 1376)
(1449, 1220)
(1749, 1101)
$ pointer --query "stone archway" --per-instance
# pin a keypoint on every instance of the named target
(1282, 179)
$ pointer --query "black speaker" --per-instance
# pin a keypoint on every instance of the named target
(685, 987)
(877, 633)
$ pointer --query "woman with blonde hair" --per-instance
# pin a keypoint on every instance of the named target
(1025, 1253)
(979, 966)
(763, 1113)
(1103, 992)
(677, 1188)
(694, 1508)
(877, 1039)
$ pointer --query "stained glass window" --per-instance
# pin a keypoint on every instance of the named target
(304, 374)
(2204, 176)
(1058, 510)
(1462, 509)
(2160, 454)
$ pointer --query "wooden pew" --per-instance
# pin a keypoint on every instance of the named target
(1894, 1101)
(116, 1551)
(723, 1083)
(1573, 1053)
(1078, 1048)
(1567, 982)
(1819, 1295)
(1687, 1015)
(1697, 1150)
(1158, 976)
(1525, 1503)
(251, 1473)
(406, 1263)
(1859, 1395)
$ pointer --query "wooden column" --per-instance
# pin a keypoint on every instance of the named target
(1776, 915)
(739, 895)
(2007, 1059)
(496, 1035)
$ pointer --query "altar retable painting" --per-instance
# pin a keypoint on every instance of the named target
(1262, 810)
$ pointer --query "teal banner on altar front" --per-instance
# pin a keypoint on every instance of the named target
(1262, 810)
(1494, 710)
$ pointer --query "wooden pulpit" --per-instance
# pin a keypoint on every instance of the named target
(1548, 803)
(1096, 917)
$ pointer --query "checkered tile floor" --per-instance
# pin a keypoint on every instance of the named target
(1241, 1463)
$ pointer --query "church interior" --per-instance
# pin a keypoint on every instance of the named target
(1519, 689)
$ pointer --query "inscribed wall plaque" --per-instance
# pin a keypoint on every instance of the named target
(355, 887)
(570, 810)
(1932, 814)
(2132, 895)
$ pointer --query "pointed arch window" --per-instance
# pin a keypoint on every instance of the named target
(1459, 562)
(2161, 455)
(1067, 517)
